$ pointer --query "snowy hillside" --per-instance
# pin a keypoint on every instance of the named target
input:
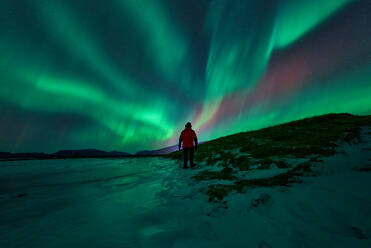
(274, 156)
(301, 184)
(329, 208)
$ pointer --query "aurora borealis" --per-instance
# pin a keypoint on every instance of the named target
(128, 74)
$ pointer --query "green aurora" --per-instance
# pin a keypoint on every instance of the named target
(128, 74)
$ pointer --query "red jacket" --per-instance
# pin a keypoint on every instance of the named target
(187, 136)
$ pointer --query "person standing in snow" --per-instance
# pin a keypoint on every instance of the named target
(187, 136)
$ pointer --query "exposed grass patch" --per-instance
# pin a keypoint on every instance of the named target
(265, 163)
(224, 174)
(284, 179)
(242, 163)
(315, 159)
(282, 150)
(218, 192)
(281, 164)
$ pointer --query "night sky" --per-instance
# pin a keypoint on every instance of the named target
(128, 74)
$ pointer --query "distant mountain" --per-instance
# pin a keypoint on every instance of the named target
(89, 153)
(83, 153)
(30, 155)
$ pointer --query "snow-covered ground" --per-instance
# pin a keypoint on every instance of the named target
(152, 202)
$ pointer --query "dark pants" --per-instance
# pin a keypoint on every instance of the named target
(185, 152)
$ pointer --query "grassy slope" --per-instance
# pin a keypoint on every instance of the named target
(307, 139)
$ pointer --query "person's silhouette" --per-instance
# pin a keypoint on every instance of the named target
(187, 136)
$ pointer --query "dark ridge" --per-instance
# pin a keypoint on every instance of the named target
(317, 135)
